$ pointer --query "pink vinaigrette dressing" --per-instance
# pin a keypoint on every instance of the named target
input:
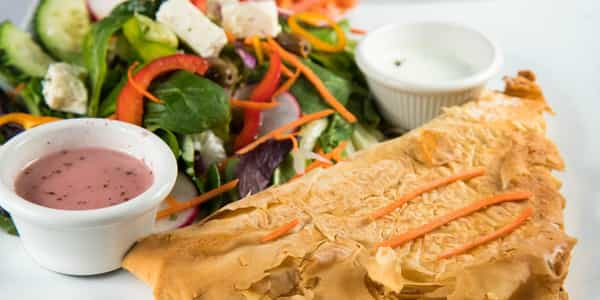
(85, 178)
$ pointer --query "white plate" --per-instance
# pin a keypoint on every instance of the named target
(557, 39)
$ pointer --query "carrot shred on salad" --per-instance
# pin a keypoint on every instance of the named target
(181, 206)
(505, 230)
(171, 201)
(465, 175)
(280, 231)
(457, 214)
(138, 88)
(313, 19)
(281, 130)
(253, 104)
(291, 137)
(336, 153)
(286, 86)
(230, 37)
(286, 71)
(314, 79)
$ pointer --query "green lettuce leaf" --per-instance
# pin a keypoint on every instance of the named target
(192, 105)
(95, 51)
(339, 130)
(309, 98)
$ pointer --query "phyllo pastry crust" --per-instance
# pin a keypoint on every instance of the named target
(335, 246)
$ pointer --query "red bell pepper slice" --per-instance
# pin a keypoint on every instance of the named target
(130, 102)
(262, 93)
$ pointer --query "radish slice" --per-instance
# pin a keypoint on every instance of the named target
(287, 111)
(183, 190)
(100, 9)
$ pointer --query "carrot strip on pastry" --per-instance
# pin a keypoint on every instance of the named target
(426, 188)
(279, 232)
(506, 230)
(462, 212)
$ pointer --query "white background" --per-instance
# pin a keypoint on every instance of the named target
(559, 40)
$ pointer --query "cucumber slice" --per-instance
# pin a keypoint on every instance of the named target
(20, 56)
(61, 26)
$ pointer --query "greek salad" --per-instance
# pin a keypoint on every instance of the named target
(247, 94)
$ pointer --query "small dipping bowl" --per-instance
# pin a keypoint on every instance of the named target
(84, 242)
(414, 70)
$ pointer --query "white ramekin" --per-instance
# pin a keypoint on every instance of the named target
(408, 104)
(84, 242)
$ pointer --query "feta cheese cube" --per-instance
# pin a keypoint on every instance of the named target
(252, 18)
(192, 27)
(64, 90)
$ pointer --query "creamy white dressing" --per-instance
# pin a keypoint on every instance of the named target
(419, 64)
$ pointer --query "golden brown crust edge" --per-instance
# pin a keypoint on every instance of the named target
(331, 256)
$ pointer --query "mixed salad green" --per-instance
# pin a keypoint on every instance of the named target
(138, 65)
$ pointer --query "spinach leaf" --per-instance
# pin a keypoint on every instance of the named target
(192, 105)
(213, 181)
(229, 175)
(339, 130)
(362, 105)
(95, 50)
(309, 98)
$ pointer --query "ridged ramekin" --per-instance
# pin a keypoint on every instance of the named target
(407, 104)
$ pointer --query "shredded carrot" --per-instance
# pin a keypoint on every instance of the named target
(462, 212)
(112, 117)
(258, 49)
(171, 201)
(312, 166)
(318, 43)
(181, 206)
(358, 31)
(465, 175)
(314, 79)
(286, 71)
(139, 88)
(281, 130)
(253, 105)
(230, 37)
(336, 153)
(286, 86)
(291, 137)
(506, 230)
(280, 231)
(26, 120)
